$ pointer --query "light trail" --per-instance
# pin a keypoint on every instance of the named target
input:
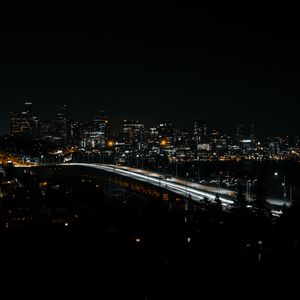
(194, 191)
(182, 188)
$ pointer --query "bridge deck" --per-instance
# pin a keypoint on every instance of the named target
(194, 191)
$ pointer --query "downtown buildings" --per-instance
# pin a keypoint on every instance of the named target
(25, 124)
(136, 142)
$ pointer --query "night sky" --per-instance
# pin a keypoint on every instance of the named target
(225, 69)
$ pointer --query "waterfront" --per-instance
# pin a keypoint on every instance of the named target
(271, 173)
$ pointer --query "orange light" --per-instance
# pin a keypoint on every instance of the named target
(163, 142)
(110, 143)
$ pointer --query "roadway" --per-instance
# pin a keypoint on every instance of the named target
(194, 191)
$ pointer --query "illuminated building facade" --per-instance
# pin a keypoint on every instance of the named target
(133, 133)
(166, 131)
(24, 124)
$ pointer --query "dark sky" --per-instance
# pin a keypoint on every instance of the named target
(226, 68)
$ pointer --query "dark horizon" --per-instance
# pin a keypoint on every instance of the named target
(222, 69)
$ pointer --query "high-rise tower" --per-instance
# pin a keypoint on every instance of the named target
(61, 122)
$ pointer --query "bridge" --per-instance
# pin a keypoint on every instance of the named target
(193, 191)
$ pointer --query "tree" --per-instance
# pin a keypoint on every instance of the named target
(261, 207)
(240, 204)
(206, 202)
(285, 219)
(294, 214)
(286, 211)
(218, 204)
(295, 206)
(208, 206)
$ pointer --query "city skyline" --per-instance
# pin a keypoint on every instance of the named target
(134, 140)
(116, 125)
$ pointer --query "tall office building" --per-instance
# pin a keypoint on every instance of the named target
(101, 124)
(152, 135)
(24, 124)
(166, 130)
(133, 132)
(200, 134)
(61, 123)
(218, 139)
(74, 132)
(100, 130)
(19, 125)
(44, 129)
(35, 127)
(182, 138)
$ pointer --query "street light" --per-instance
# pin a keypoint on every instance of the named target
(249, 183)
(186, 183)
(248, 188)
(110, 143)
(163, 142)
(283, 184)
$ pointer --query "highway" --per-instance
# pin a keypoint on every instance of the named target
(194, 191)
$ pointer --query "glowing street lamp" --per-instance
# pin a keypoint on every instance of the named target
(163, 142)
(110, 143)
(283, 184)
(110, 146)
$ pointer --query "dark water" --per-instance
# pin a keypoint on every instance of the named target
(264, 170)
(288, 171)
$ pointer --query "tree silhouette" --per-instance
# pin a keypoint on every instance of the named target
(286, 211)
(285, 219)
(260, 206)
(294, 214)
(206, 202)
(295, 206)
(218, 204)
(240, 205)
(208, 206)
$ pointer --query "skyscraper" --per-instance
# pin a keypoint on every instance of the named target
(35, 127)
(61, 123)
(133, 132)
(101, 124)
(100, 130)
(200, 131)
(22, 124)
(44, 129)
(166, 131)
